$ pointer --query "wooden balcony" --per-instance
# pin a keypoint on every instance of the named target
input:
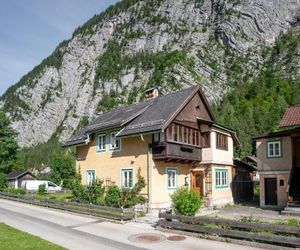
(171, 151)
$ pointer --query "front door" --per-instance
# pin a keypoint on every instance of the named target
(197, 182)
(271, 191)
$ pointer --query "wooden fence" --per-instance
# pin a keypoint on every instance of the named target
(121, 214)
(267, 233)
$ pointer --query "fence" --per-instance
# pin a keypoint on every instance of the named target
(267, 233)
(121, 214)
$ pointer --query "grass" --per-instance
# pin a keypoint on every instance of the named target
(11, 239)
(55, 196)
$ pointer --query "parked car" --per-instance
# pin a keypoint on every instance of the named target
(33, 186)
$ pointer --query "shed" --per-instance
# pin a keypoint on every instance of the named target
(15, 178)
(243, 183)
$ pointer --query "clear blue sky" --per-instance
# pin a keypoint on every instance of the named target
(31, 29)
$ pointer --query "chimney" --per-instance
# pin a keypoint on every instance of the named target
(152, 93)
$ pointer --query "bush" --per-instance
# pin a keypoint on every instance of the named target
(3, 181)
(19, 191)
(42, 189)
(113, 197)
(186, 202)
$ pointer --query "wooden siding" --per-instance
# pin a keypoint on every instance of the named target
(175, 151)
(193, 110)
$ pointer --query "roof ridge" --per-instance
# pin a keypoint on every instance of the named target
(148, 100)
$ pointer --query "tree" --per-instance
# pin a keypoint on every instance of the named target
(63, 169)
(8, 144)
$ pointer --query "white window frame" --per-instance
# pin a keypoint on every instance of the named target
(111, 146)
(103, 148)
(125, 172)
(221, 178)
(173, 185)
(272, 144)
(88, 181)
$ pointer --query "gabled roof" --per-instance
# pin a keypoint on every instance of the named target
(148, 116)
(17, 174)
(291, 117)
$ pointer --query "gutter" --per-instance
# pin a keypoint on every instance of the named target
(148, 171)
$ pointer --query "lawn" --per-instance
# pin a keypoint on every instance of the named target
(56, 196)
(11, 239)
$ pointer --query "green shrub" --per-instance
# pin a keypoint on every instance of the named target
(186, 202)
(113, 197)
(3, 181)
(42, 189)
(19, 191)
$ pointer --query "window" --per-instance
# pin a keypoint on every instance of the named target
(158, 137)
(101, 143)
(221, 178)
(222, 141)
(171, 178)
(274, 149)
(127, 178)
(205, 139)
(51, 184)
(114, 141)
(90, 177)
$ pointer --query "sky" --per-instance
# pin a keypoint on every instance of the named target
(31, 29)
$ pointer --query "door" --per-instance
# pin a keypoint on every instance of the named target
(197, 182)
(271, 191)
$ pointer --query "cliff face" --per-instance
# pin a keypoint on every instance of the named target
(133, 45)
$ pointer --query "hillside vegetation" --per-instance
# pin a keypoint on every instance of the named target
(244, 54)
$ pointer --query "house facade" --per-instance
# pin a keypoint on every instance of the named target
(278, 162)
(173, 139)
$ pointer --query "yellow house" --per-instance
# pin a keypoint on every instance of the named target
(172, 138)
(278, 163)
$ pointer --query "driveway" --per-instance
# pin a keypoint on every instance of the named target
(82, 232)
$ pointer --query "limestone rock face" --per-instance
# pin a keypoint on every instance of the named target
(115, 56)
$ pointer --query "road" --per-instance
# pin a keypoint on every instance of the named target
(74, 231)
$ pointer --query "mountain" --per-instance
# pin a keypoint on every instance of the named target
(135, 44)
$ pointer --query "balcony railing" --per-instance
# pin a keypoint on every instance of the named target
(175, 151)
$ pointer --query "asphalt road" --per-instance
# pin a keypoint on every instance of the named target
(81, 232)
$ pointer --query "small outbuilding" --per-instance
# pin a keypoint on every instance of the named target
(243, 180)
(15, 178)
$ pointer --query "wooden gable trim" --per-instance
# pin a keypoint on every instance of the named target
(186, 102)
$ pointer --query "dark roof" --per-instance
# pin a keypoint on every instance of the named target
(159, 113)
(282, 132)
(251, 158)
(17, 174)
(148, 116)
(243, 164)
(291, 117)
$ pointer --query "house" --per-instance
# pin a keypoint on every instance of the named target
(278, 162)
(15, 178)
(175, 141)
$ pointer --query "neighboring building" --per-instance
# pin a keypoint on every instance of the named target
(173, 139)
(278, 162)
(15, 178)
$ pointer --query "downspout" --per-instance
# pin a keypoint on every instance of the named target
(148, 172)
